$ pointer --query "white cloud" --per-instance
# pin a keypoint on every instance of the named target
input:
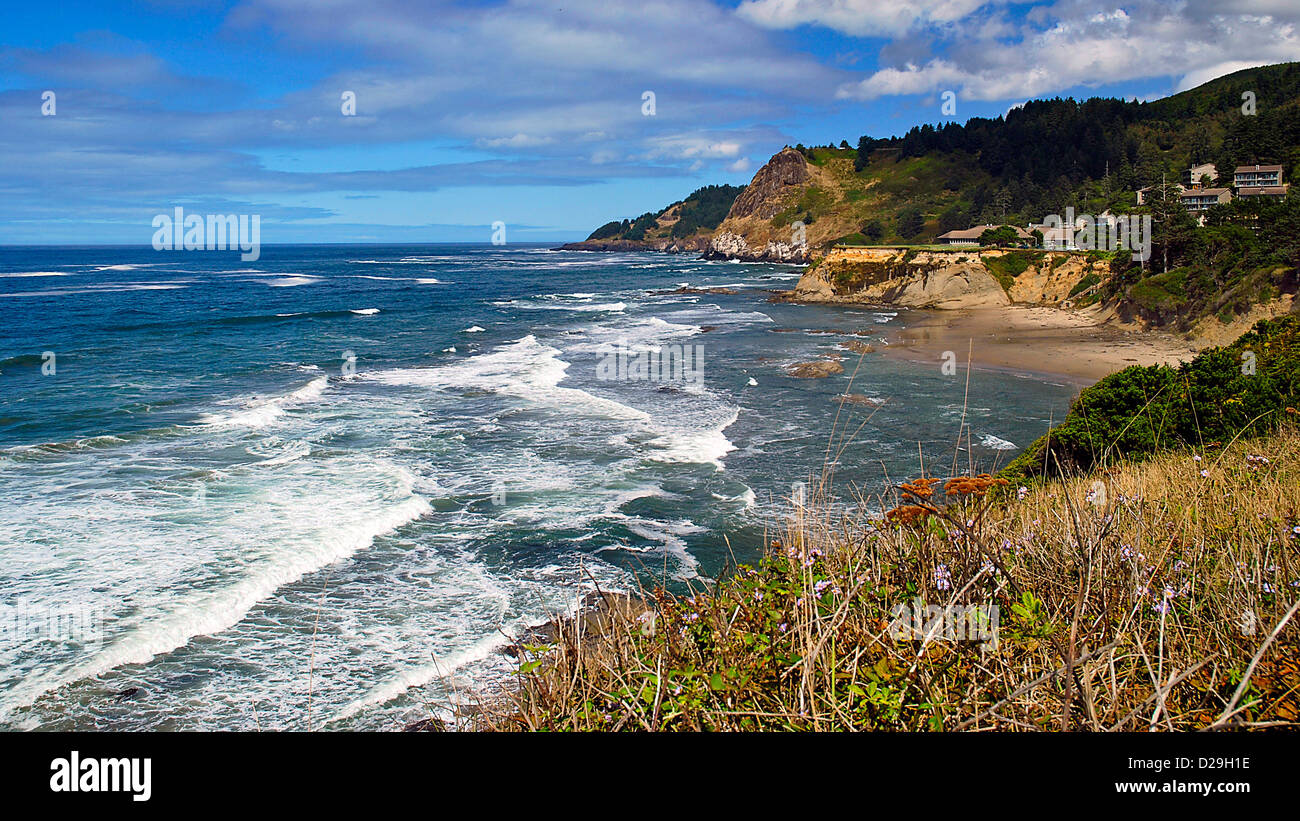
(1199, 76)
(1073, 44)
(866, 18)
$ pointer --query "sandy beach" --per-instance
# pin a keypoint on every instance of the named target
(1077, 345)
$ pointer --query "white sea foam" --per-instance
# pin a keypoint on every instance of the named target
(706, 446)
(992, 442)
(524, 368)
(474, 329)
(259, 412)
(325, 536)
(422, 675)
(290, 282)
(365, 311)
(104, 289)
(601, 307)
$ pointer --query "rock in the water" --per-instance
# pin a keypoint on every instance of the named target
(817, 369)
(426, 725)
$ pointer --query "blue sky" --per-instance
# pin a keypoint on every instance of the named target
(524, 111)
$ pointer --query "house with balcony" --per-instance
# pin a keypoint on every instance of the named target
(1264, 192)
(1197, 200)
(1193, 176)
(1257, 176)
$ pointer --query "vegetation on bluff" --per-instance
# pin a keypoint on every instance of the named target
(703, 210)
(1160, 600)
(1243, 390)
(1148, 583)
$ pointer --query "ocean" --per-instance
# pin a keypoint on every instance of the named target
(324, 489)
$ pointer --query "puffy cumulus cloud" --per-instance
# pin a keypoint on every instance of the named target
(1074, 43)
(864, 18)
(692, 147)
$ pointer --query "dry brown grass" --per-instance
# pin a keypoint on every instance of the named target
(1148, 596)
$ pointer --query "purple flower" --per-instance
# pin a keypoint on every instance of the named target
(942, 578)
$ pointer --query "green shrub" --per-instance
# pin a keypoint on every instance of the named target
(1243, 389)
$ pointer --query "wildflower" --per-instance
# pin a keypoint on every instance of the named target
(1169, 593)
(1161, 607)
(1205, 474)
(758, 595)
(1180, 566)
(820, 587)
(1196, 456)
(1268, 588)
(1296, 530)
(1022, 492)
(783, 627)
(942, 578)
(1125, 552)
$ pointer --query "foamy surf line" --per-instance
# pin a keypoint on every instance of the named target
(261, 412)
(209, 613)
(420, 676)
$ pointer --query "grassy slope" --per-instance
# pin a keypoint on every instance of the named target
(1107, 586)
(1135, 590)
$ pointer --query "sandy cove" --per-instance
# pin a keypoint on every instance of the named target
(1078, 345)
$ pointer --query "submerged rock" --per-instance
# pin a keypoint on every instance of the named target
(817, 369)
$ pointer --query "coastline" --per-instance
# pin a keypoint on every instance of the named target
(1078, 346)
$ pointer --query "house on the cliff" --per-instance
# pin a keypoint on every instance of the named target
(1260, 182)
(971, 236)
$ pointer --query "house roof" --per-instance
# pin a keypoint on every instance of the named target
(1206, 192)
(974, 233)
(1245, 169)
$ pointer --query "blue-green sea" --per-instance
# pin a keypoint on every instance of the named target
(330, 485)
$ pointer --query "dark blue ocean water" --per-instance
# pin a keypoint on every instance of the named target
(343, 476)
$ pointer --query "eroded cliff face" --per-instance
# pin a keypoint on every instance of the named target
(727, 245)
(954, 279)
(749, 233)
